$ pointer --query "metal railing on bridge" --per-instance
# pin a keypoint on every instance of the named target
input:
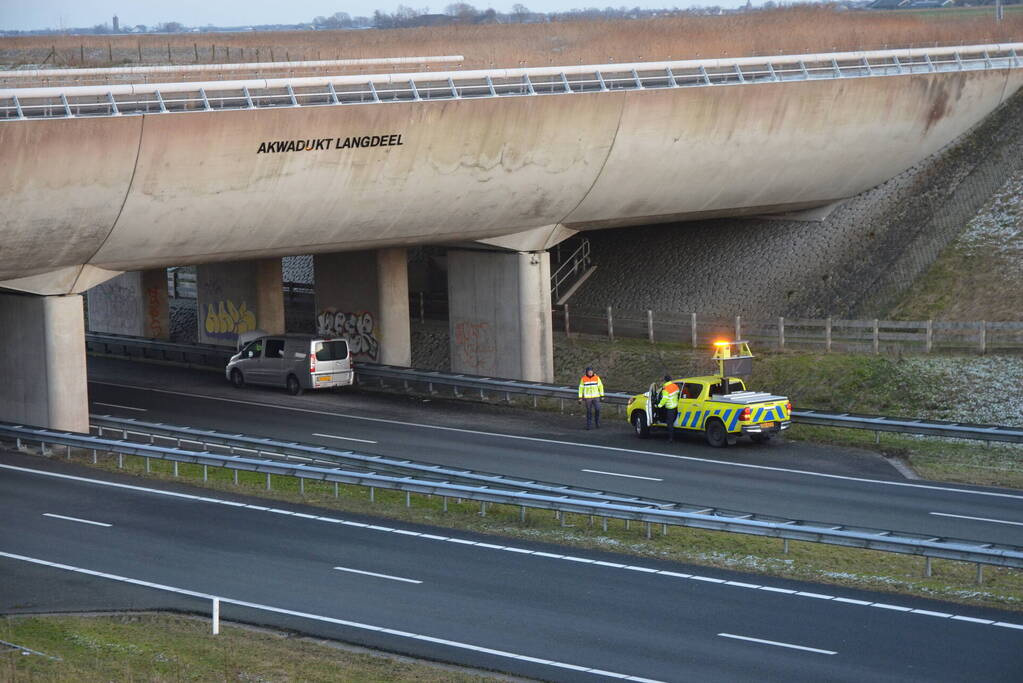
(157, 98)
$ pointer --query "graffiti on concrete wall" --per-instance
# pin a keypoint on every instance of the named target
(358, 328)
(225, 320)
(475, 346)
(114, 307)
(154, 313)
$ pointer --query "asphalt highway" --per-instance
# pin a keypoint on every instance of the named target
(790, 479)
(523, 608)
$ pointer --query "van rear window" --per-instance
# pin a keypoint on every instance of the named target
(330, 350)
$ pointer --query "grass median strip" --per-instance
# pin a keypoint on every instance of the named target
(856, 568)
(161, 647)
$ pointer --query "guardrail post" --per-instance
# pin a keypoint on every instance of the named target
(147, 465)
(604, 523)
(785, 546)
(980, 574)
(827, 335)
(408, 499)
(267, 481)
(95, 456)
(120, 461)
(692, 326)
(301, 486)
(929, 341)
(983, 336)
(67, 452)
(445, 498)
(927, 566)
(522, 513)
(236, 477)
(568, 329)
(650, 325)
(216, 616)
(648, 534)
(664, 530)
(738, 327)
(781, 332)
(610, 325)
(877, 336)
(483, 508)
(337, 492)
(176, 469)
(372, 494)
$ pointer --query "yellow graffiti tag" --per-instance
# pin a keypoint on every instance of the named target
(228, 320)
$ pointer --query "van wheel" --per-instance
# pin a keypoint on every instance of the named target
(760, 438)
(640, 425)
(716, 434)
(236, 379)
(294, 388)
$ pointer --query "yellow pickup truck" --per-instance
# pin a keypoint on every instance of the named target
(722, 413)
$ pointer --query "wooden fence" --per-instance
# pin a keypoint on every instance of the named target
(822, 334)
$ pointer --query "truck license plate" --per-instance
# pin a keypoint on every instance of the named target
(324, 378)
(766, 425)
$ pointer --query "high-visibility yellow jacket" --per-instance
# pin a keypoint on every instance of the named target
(669, 396)
(591, 386)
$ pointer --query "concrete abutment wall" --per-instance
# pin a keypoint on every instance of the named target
(238, 297)
(133, 304)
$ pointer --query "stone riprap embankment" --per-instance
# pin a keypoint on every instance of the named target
(854, 264)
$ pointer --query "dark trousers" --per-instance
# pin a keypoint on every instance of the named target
(670, 414)
(592, 411)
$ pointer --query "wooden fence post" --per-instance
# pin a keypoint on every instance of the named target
(213, 53)
(610, 325)
(650, 325)
(81, 54)
(568, 329)
(738, 327)
(195, 47)
(929, 341)
(228, 48)
(110, 52)
(140, 51)
(827, 335)
(692, 323)
(983, 336)
(168, 53)
(781, 332)
(877, 337)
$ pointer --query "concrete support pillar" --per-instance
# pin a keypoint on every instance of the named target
(238, 297)
(134, 304)
(363, 297)
(42, 365)
(500, 314)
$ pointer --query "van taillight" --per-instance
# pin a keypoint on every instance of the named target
(788, 407)
(745, 415)
(312, 362)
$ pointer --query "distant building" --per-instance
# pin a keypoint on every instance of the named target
(117, 25)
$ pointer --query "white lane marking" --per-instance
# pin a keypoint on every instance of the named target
(75, 519)
(616, 474)
(329, 620)
(617, 449)
(379, 576)
(774, 642)
(114, 405)
(977, 519)
(342, 438)
(490, 546)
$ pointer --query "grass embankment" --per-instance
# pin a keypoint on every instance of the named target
(785, 30)
(951, 581)
(152, 647)
(973, 389)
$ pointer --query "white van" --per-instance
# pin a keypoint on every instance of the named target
(295, 361)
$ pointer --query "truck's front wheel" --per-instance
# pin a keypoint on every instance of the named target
(640, 425)
(715, 433)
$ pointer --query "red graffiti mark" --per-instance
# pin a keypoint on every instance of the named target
(153, 312)
(475, 346)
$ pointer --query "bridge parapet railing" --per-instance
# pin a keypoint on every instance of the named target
(260, 93)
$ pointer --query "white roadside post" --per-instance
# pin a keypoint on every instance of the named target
(216, 616)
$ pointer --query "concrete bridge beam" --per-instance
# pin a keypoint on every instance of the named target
(500, 314)
(363, 296)
(238, 297)
(43, 362)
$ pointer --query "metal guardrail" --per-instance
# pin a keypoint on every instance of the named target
(883, 540)
(19, 104)
(216, 356)
(370, 463)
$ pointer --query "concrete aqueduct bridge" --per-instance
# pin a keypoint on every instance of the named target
(498, 165)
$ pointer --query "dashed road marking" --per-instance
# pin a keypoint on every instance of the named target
(76, 519)
(778, 644)
(379, 576)
(977, 519)
(616, 474)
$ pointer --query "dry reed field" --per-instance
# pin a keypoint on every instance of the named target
(786, 30)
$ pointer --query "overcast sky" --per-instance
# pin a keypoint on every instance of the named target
(20, 15)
